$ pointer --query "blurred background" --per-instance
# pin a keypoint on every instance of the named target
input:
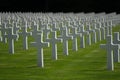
(60, 6)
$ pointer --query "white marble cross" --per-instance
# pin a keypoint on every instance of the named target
(25, 35)
(109, 46)
(11, 37)
(53, 42)
(62, 26)
(107, 29)
(74, 34)
(54, 27)
(35, 30)
(88, 38)
(102, 33)
(3, 33)
(46, 31)
(116, 40)
(40, 44)
(82, 36)
(65, 39)
(96, 27)
(15, 28)
(110, 27)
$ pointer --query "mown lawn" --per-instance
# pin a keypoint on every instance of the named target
(85, 64)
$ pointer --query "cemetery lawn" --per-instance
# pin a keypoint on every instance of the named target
(85, 64)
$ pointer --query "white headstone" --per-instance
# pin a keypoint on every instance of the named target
(74, 34)
(102, 33)
(10, 36)
(109, 46)
(82, 37)
(116, 40)
(15, 28)
(97, 30)
(3, 33)
(25, 35)
(65, 39)
(53, 42)
(35, 30)
(40, 44)
(54, 27)
(88, 38)
(46, 31)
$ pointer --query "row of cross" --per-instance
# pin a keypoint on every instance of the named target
(89, 27)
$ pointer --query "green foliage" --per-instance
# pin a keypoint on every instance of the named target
(85, 64)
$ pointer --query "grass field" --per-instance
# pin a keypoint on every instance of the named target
(85, 64)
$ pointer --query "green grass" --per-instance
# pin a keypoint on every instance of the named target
(85, 64)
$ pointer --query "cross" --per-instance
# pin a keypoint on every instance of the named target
(3, 32)
(15, 28)
(35, 30)
(82, 37)
(46, 31)
(109, 46)
(108, 29)
(65, 39)
(61, 26)
(54, 26)
(53, 42)
(25, 35)
(116, 40)
(40, 44)
(102, 31)
(96, 27)
(110, 26)
(10, 36)
(88, 39)
(74, 34)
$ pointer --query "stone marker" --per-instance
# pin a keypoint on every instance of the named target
(3, 33)
(15, 28)
(110, 27)
(46, 31)
(107, 30)
(53, 42)
(10, 36)
(40, 44)
(35, 30)
(25, 35)
(74, 34)
(54, 27)
(109, 46)
(82, 36)
(88, 38)
(65, 39)
(97, 30)
(116, 40)
(102, 33)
